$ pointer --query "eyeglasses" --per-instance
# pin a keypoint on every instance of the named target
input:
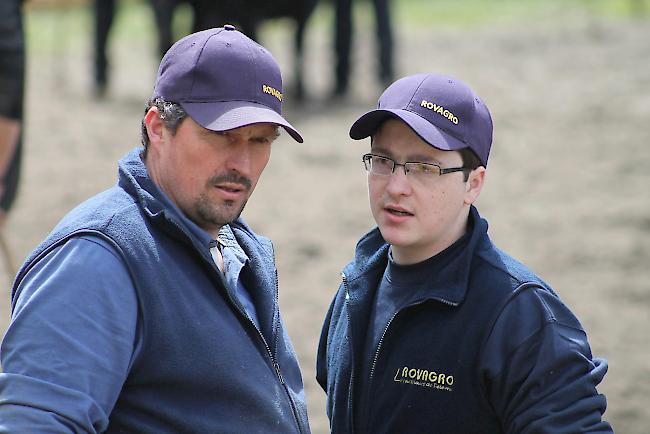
(384, 166)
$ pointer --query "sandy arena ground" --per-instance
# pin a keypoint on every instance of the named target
(567, 188)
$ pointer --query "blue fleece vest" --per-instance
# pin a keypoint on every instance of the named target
(202, 366)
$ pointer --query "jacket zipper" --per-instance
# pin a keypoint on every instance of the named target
(351, 389)
(383, 335)
(374, 361)
(274, 362)
(276, 325)
(381, 341)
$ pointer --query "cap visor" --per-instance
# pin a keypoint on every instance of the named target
(226, 115)
(368, 124)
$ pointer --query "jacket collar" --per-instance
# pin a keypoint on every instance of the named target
(363, 274)
(134, 178)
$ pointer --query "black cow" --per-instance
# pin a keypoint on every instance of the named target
(343, 41)
(208, 13)
(104, 11)
(249, 14)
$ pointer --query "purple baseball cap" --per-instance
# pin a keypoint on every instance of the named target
(443, 111)
(223, 80)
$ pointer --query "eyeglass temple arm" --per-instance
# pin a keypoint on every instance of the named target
(454, 169)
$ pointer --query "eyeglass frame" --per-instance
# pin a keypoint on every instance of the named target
(365, 158)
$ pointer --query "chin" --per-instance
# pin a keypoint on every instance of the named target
(394, 237)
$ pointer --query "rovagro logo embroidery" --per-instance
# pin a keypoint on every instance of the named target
(440, 110)
(272, 91)
(424, 378)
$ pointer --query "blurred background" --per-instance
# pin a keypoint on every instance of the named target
(568, 84)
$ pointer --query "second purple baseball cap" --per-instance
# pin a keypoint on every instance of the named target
(443, 111)
(223, 80)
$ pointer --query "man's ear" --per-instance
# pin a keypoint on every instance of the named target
(474, 184)
(155, 126)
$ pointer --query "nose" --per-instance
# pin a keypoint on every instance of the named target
(239, 157)
(398, 183)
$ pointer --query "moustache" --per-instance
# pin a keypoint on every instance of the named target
(233, 178)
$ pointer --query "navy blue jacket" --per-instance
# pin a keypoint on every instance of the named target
(201, 364)
(487, 348)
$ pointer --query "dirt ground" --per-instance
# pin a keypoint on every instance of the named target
(567, 188)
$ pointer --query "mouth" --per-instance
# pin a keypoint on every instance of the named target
(231, 191)
(232, 188)
(399, 212)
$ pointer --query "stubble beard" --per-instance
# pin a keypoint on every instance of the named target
(214, 215)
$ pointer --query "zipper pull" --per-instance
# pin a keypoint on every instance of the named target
(277, 371)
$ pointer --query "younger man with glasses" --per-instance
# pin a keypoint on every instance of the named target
(434, 329)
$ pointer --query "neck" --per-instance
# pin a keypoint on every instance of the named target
(417, 253)
(214, 232)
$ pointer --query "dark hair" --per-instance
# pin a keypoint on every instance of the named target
(470, 161)
(171, 113)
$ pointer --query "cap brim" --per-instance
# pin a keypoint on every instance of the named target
(226, 115)
(368, 124)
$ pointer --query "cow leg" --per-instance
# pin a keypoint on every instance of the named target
(249, 27)
(163, 14)
(104, 11)
(206, 15)
(298, 61)
(384, 33)
(342, 45)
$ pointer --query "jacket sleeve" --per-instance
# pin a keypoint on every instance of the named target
(538, 370)
(68, 349)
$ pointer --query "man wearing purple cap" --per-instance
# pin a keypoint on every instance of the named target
(434, 329)
(152, 307)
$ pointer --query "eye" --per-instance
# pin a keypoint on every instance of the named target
(424, 168)
(265, 140)
(218, 137)
(381, 161)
